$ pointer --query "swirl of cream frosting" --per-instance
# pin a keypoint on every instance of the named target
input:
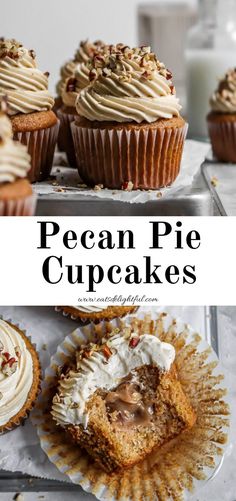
(223, 99)
(74, 85)
(128, 85)
(14, 387)
(85, 51)
(91, 373)
(88, 309)
(14, 157)
(24, 84)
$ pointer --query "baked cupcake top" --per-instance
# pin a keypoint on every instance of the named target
(223, 99)
(24, 84)
(77, 67)
(128, 85)
(103, 366)
(14, 158)
(16, 372)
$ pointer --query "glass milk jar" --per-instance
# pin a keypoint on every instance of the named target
(210, 52)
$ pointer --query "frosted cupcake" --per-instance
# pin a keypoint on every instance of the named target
(130, 130)
(122, 399)
(74, 78)
(30, 105)
(16, 197)
(222, 119)
(95, 313)
(19, 376)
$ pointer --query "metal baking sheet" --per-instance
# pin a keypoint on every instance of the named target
(221, 181)
(17, 482)
(195, 200)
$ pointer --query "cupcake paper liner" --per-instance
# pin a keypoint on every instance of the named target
(175, 469)
(223, 140)
(88, 319)
(148, 158)
(31, 407)
(65, 140)
(22, 207)
(41, 146)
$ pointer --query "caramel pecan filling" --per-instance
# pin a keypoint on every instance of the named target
(127, 406)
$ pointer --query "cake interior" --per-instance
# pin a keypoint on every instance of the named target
(146, 409)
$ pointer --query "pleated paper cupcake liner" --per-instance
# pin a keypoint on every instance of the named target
(41, 146)
(65, 140)
(223, 140)
(30, 407)
(174, 470)
(85, 319)
(22, 207)
(147, 158)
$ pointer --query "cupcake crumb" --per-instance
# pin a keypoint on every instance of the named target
(159, 194)
(127, 186)
(98, 187)
(58, 190)
(214, 181)
(18, 497)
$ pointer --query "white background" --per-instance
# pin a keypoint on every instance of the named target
(53, 28)
(22, 282)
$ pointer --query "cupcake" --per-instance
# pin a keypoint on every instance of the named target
(95, 313)
(16, 196)
(129, 131)
(222, 119)
(74, 78)
(121, 398)
(20, 376)
(30, 106)
(181, 395)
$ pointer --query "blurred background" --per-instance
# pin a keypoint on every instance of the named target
(196, 39)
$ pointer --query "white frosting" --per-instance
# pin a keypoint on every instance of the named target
(69, 405)
(128, 86)
(88, 309)
(14, 157)
(24, 84)
(14, 388)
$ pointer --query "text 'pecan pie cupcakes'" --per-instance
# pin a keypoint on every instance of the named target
(74, 78)
(20, 376)
(30, 106)
(95, 313)
(130, 130)
(16, 196)
(222, 119)
(122, 398)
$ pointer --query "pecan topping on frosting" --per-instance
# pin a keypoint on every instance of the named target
(10, 48)
(114, 57)
(224, 98)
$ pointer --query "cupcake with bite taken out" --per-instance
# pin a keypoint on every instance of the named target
(16, 196)
(129, 129)
(222, 119)
(74, 78)
(30, 105)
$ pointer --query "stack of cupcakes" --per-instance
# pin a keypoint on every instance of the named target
(30, 105)
(128, 130)
(74, 78)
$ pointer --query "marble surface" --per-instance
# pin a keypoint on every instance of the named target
(223, 486)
